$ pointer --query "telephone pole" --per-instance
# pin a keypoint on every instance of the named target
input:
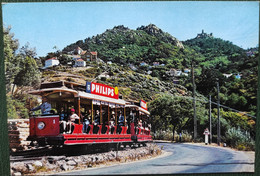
(210, 123)
(218, 126)
(194, 103)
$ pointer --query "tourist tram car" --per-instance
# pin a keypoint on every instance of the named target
(46, 129)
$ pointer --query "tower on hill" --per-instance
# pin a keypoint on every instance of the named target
(204, 35)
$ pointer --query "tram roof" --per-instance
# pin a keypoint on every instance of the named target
(46, 89)
(138, 108)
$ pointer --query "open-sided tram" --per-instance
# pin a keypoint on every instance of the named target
(47, 129)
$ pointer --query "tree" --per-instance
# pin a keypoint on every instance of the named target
(12, 61)
(29, 74)
(169, 111)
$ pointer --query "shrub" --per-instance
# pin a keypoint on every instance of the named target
(239, 139)
(167, 135)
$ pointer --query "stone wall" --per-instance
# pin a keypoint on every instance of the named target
(55, 164)
(18, 131)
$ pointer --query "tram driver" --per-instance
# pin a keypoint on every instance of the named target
(45, 106)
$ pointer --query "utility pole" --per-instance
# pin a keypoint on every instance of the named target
(194, 103)
(218, 126)
(210, 122)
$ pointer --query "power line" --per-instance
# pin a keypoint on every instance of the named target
(205, 101)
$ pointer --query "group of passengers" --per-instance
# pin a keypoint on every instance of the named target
(67, 121)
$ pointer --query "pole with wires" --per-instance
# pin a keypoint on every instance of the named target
(210, 122)
(194, 103)
(218, 125)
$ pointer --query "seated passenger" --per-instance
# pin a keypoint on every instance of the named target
(120, 122)
(45, 106)
(86, 121)
(140, 124)
(63, 120)
(96, 122)
(112, 123)
(71, 121)
(149, 126)
(104, 127)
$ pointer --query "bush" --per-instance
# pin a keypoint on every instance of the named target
(239, 139)
(167, 135)
(163, 135)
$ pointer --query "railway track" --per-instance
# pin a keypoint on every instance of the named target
(37, 154)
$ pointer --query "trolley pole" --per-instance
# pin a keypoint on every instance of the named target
(194, 103)
(210, 122)
(218, 114)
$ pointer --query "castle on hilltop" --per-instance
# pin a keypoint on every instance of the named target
(204, 35)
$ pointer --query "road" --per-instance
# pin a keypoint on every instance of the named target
(181, 158)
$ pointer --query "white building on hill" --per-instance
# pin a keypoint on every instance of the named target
(80, 63)
(51, 62)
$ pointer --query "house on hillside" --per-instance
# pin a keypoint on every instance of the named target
(51, 62)
(80, 63)
(143, 63)
(156, 64)
(238, 76)
(90, 56)
(85, 55)
(79, 51)
(186, 70)
(227, 75)
(174, 73)
(132, 67)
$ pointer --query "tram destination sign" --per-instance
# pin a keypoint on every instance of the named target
(143, 104)
(102, 90)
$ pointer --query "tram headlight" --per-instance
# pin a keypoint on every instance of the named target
(41, 125)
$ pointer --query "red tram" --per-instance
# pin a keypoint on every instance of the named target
(46, 129)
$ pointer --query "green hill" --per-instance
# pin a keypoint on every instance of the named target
(124, 46)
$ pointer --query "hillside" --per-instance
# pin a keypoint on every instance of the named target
(124, 46)
(217, 53)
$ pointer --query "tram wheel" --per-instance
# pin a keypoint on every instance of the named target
(41, 143)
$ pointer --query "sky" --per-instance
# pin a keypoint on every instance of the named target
(45, 25)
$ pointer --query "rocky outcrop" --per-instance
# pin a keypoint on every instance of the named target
(54, 164)
(157, 32)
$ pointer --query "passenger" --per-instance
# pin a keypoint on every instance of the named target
(120, 122)
(97, 118)
(96, 122)
(129, 120)
(72, 119)
(146, 127)
(104, 127)
(140, 124)
(112, 123)
(45, 106)
(86, 121)
(63, 120)
(149, 126)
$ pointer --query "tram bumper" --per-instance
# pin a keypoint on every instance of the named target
(47, 140)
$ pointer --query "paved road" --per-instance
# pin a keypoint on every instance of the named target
(181, 158)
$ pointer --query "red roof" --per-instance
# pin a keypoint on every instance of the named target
(53, 58)
(80, 60)
(93, 53)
